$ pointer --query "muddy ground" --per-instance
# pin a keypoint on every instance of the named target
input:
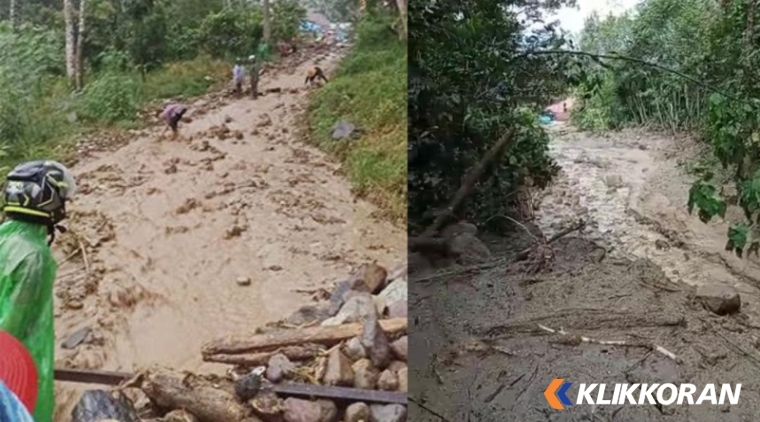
(236, 225)
(479, 355)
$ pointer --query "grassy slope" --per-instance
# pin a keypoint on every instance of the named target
(50, 134)
(369, 91)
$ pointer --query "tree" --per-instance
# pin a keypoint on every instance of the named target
(70, 37)
(403, 34)
(267, 22)
(14, 14)
(79, 71)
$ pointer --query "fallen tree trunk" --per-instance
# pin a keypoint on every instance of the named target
(327, 336)
(207, 404)
(469, 184)
(294, 353)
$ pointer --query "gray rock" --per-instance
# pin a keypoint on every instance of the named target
(721, 299)
(388, 381)
(76, 338)
(361, 364)
(354, 310)
(243, 281)
(354, 349)
(329, 411)
(343, 130)
(403, 380)
(357, 412)
(375, 342)
(397, 291)
(297, 410)
(397, 310)
(469, 249)
(338, 370)
(279, 367)
(387, 413)
(267, 406)
(400, 348)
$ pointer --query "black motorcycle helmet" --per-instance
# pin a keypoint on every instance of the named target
(37, 192)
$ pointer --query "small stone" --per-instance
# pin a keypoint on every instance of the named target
(397, 309)
(338, 370)
(387, 413)
(366, 378)
(179, 416)
(243, 281)
(459, 228)
(267, 406)
(75, 304)
(77, 338)
(354, 349)
(721, 299)
(279, 367)
(376, 343)
(388, 381)
(614, 181)
(403, 380)
(357, 412)
(329, 411)
(297, 410)
(400, 348)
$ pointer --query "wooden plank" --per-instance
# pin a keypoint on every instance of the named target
(328, 336)
(287, 389)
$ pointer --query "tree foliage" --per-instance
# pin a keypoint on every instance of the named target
(716, 43)
(472, 78)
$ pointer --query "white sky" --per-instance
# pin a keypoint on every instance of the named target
(571, 19)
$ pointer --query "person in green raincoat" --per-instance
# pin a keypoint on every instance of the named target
(34, 202)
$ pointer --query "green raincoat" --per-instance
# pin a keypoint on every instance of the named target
(27, 272)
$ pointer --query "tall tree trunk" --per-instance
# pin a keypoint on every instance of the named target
(79, 55)
(402, 13)
(70, 37)
(14, 15)
(267, 22)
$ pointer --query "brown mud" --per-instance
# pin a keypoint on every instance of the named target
(630, 275)
(236, 224)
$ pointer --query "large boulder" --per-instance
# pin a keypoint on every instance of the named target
(469, 249)
(719, 298)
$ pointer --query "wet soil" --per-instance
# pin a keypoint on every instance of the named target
(480, 354)
(230, 227)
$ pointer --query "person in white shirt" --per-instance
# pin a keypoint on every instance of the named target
(238, 75)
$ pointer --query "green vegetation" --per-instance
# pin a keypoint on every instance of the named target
(130, 54)
(472, 81)
(704, 81)
(369, 91)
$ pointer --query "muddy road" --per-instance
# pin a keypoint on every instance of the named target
(230, 228)
(630, 276)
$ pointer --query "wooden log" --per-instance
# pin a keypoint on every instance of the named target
(294, 353)
(327, 336)
(207, 404)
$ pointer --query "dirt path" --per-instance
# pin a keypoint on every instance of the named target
(628, 276)
(171, 227)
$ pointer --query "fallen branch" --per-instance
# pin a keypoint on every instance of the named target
(429, 410)
(469, 183)
(267, 342)
(294, 353)
(621, 343)
(488, 265)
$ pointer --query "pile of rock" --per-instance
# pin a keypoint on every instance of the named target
(356, 339)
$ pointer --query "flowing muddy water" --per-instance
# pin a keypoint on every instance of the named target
(480, 353)
(631, 190)
(171, 230)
